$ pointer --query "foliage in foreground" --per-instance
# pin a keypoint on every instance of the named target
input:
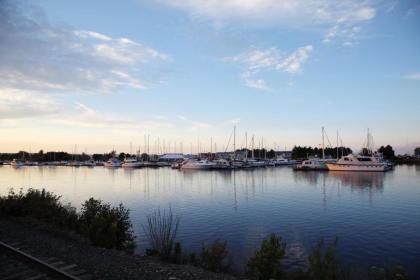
(214, 257)
(161, 230)
(102, 224)
(265, 264)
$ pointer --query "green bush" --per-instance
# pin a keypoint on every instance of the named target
(106, 226)
(325, 265)
(102, 224)
(214, 256)
(266, 262)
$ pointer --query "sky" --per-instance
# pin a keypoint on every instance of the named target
(93, 76)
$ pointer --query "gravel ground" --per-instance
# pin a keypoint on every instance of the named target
(101, 263)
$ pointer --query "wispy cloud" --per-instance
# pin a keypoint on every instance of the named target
(257, 60)
(286, 12)
(38, 55)
(413, 76)
(347, 35)
(18, 104)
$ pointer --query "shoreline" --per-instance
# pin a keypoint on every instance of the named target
(46, 241)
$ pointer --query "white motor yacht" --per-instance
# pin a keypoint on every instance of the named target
(197, 164)
(113, 162)
(16, 163)
(131, 163)
(283, 161)
(358, 163)
(312, 164)
(221, 164)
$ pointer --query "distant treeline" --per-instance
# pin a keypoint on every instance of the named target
(299, 152)
(42, 156)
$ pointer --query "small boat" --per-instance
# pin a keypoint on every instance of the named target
(177, 165)
(112, 162)
(16, 163)
(358, 163)
(89, 163)
(197, 164)
(131, 163)
(221, 164)
(312, 164)
(74, 163)
(279, 161)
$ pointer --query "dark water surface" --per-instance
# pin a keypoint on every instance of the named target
(376, 216)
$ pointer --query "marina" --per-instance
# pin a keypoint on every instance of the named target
(365, 210)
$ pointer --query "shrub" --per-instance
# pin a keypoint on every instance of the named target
(325, 265)
(266, 262)
(106, 226)
(214, 256)
(161, 231)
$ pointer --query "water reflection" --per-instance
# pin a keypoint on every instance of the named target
(359, 180)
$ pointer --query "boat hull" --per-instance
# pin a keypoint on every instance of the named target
(357, 168)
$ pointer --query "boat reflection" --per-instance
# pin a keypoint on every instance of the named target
(359, 180)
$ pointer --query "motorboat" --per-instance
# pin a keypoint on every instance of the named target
(358, 163)
(74, 163)
(312, 164)
(283, 161)
(16, 163)
(90, 163)
(131, 163)
(221, 164)
(112, 162)
(197, 164)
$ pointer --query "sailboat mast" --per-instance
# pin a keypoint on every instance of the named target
(246, 145)
(323, 144)
(337, 144)
(234, 141)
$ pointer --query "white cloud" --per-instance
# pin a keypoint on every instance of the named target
(39, 56)
(293, 63)
(18, 104)
(413, 76)
(287, 12)
(256, 84)
(257, 60)
(346, 34)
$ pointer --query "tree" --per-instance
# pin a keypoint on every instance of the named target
(266, 262)
(417, 151)
(387, 152)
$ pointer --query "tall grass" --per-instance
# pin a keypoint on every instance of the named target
(161, 230)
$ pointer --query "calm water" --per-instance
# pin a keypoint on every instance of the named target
(376, 216)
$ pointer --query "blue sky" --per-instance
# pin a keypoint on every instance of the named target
(102, 74)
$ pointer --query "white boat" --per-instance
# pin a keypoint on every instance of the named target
(283, 161)
(197, 164)
(131, 163)
(312, 164)
(253, 163)
(113, 162)
(90, 163)
(16, 163)
(221, 164)
(358, 163)
(74, 163)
